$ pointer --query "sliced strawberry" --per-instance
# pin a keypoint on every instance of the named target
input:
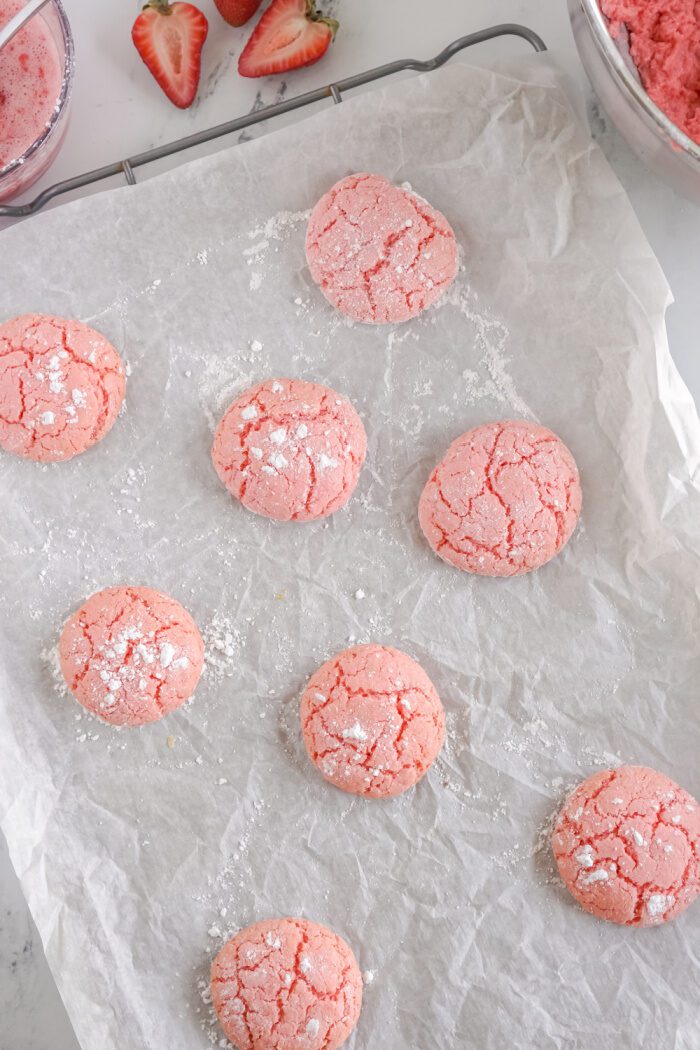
(237, 12)
(290, 34)
(169, 38)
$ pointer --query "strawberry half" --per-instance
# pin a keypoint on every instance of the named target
(169, 38)
(290, 34)
(237, 12)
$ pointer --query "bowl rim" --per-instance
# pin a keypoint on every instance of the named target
(63, 98)
(611, 53)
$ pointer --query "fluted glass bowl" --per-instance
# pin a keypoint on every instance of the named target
(21, 172)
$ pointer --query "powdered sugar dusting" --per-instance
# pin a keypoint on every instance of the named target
(222, 644)
(492, 340)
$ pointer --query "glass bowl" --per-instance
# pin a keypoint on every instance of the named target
(20, 173)
(662, 145)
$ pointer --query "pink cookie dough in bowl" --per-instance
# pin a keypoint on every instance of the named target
(379, 253)
(664, 42)
(504, 499)
(61, 387)
(131, 655)
(290, 450)
(286, 984)
(627, 845)
(372, 721)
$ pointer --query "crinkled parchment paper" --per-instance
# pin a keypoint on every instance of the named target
(139, 851)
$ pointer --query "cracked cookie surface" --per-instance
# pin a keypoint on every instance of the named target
(379, 253)
(286, 984)
(290, 450)
(131, 655)
(372, 721)
(627, 845)
(61, 387)
(504, 499)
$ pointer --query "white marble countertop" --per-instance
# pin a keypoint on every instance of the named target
(119, 111)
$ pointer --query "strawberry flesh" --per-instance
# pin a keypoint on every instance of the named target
(290, 34)
(169, 39)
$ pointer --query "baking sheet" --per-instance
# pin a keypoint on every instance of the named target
(140, 851)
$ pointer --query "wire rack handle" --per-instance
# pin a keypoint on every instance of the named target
(335, 91)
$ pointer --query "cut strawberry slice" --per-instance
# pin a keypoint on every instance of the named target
(169, 38)
(290, 34)
(237, 12)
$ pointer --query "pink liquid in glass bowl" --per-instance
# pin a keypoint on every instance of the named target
(36, 80)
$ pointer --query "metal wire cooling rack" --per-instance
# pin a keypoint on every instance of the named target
(333, 91)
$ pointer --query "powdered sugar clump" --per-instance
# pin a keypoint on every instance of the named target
(222, 642)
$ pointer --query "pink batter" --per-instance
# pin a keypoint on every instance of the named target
(286, 984)
(379, 253)
(627, 844)
(504, 499)
(131, 655)
(290, 450)
(61, 387)
(372, 721)
(31, 76)
(664, 40)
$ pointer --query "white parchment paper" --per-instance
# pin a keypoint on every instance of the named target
(139, 851)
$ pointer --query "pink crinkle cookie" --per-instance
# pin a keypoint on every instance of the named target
(372, 721)
(61, 387)
(290, 450)
(286, 984)
(627, 844)
(131, 655)
(379, 253)
(504, 499)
